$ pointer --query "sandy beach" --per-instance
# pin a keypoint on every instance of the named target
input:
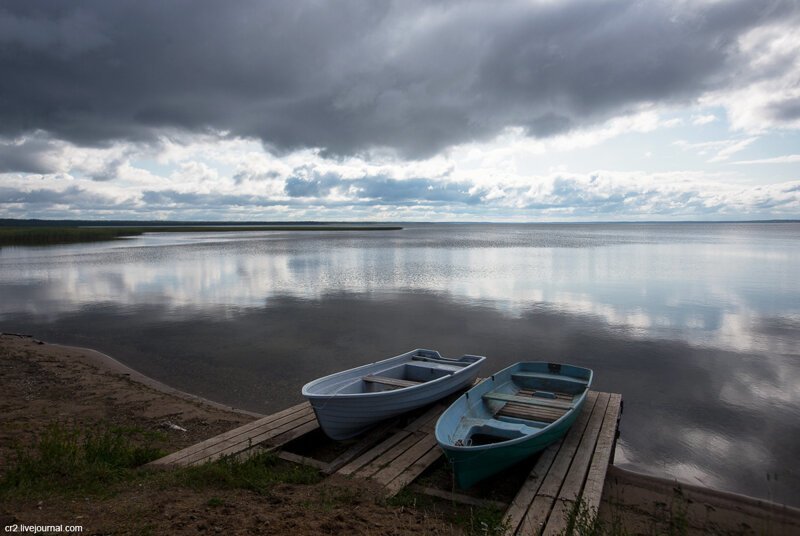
(46, 385)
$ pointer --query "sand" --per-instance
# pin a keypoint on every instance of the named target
(43, 384)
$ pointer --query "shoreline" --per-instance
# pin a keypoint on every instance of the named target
(747, 501)
(107, 362)
(138, 398)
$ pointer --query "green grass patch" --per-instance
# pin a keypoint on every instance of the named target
(70, 462)
(485, 521)
(67, 461)
(474, 521)
(215, 502)
(258, 473)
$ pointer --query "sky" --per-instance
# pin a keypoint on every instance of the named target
(518, 111)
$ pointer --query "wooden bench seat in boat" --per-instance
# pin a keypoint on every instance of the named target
(549, 376)
(528, 400)
(384, 380)
(530, 413)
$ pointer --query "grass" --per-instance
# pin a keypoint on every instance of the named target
(67, 462)
(474, 521)
(672, 520)
(46, 235)
(485, 521)
(70, 462)
(258, 473)
(583, 521)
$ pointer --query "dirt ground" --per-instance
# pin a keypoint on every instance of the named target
(43, 384)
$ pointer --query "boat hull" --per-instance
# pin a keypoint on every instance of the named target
(343, 415)
(472, 463)
(472, 466)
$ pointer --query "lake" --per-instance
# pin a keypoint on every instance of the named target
(697, 325)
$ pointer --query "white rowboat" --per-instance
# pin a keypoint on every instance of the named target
(349, 402)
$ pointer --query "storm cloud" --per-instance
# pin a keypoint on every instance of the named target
(347, 77)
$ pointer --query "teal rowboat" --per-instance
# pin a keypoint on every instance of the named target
(510, 416)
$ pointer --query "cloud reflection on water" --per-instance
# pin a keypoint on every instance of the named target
(698, 331)
(717, 293)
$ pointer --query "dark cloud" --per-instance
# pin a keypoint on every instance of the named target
(28, 156)
(788, 110)
(348, 76)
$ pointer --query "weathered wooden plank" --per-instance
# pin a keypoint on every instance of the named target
(559, 395)
(426, 419)
(405, 459)
(291, 433)
(595, 480)
(528, 400)
(549, 376)
(370, 455)
(269, 445)
(367, 441)
(413, 471)
(387, 457)
(527, 493)
(302, 460)
(237, 434)
(299, 425)
(522, 500)
(385, 380)
(251, 427)
(249, 439)
(539, 414)
(573, 482)
(536, 515)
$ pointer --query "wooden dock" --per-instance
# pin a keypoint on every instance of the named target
(396, 461)
(269, 432)
(572, 470)
(394, 455)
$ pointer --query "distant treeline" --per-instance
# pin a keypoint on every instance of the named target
(42, 235)
(9, 222)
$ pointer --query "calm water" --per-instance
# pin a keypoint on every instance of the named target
(697, 325)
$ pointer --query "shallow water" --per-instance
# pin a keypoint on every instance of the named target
(697, 325)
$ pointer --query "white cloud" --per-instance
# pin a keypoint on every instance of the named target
(766, 93)
(732, 148)
(787, 159)
(721, 149)
(699, 120)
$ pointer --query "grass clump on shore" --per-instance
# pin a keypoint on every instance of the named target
(583, 521)
(258, 473)
(474, 521)
(64, 460)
